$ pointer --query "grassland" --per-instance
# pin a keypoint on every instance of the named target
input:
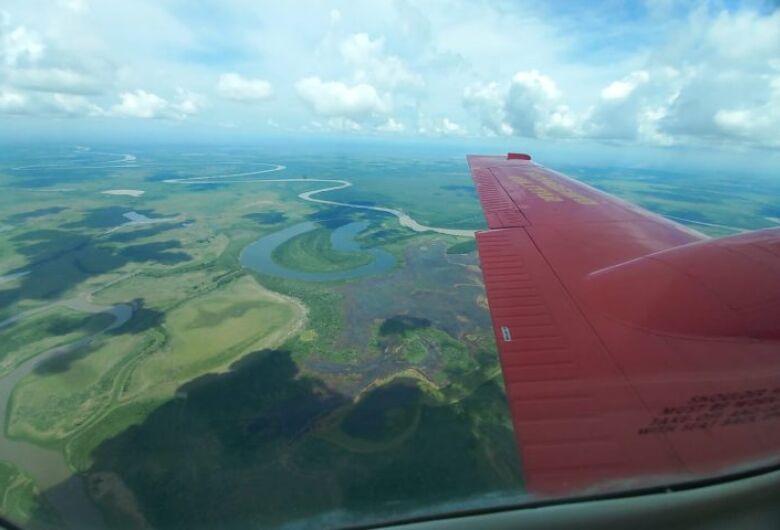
(55, 326)
(210, 333)
(313, 252)
(62, 399)
(21, 501)
(464, 247)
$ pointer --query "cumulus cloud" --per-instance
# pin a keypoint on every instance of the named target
(147, 105)
(534, 107)
(60, 105)
(342, 124)
(444, 127)
(729, 91)
(374, 65)
(12, 102)
(77, 6)
(73, 105)
(760, 122)
(57, 79)
(486, 101)
(391, 125)
(358, 102)
(620, 90)
(36, 80)
(140, 104)
(710, 84)
(39, 79)
(188, 103)
(234, 87)
(19, 45)
(631, 108)
(531, 105)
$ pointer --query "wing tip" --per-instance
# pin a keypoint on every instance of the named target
(486, 161)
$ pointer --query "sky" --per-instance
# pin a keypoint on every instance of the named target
(656, 76)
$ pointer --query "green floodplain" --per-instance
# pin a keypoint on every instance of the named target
(180, 389)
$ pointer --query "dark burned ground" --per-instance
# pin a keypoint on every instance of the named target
(431, 286)
(433, 294)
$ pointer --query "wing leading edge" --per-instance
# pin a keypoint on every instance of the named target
(634, 351)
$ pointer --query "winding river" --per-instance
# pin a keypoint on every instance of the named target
(404, 219)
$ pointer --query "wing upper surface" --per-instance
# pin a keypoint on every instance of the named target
(628, 352)
(521, 193)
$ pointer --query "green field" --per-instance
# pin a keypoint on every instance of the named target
(20, 498)
(464, 247)
(60, 402)
(42, 331)
(61, 396)
(207, 334)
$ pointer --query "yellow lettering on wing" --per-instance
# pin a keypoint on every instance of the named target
(540, 191)
(537, 180)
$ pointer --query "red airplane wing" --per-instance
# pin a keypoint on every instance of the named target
(635, 351)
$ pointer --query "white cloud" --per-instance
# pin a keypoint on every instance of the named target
(143, 104)
(19, 45)
(343, 125)
(710, 84)
(140, 104)
(234, 87)
(47, 104)
(757, 123)
(12, 102)
(707, 84)
(27, 63)
(631, 108)
(534, 108)
(56, 79)
(486, 101)
(374, 66)
(77, 6)
(623, 88)
(188, 103)
(447, 127)
(335, 99)
(537, 83)
(745, 36)
(728, 88)
(391, 125)
(531, 105)
(73, 106)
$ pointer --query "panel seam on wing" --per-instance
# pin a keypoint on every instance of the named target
(617, 365)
